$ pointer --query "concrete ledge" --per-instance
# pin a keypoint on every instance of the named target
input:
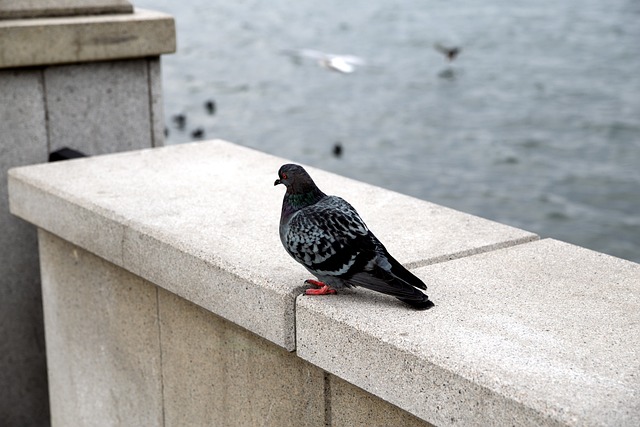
(201, 220)
(46, 41)
(18, 9)
(544, 333)
(524, 332)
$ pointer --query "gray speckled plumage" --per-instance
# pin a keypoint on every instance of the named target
(327, 236)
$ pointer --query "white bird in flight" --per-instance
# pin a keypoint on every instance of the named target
(345, 64)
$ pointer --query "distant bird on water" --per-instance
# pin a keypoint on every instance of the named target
(180, 120)
(345, 64)
(210, 106)
(450, 53)
(327, 236)
(337, 149)
(197, 133)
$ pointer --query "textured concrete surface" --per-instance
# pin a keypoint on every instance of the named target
(46, 41)
(544, 333)
(154, 77)
(122, 350)
(524, 332)
(43, 109)
(351, 406)
(216, 373)
(103, 341)
(12, 9)
(201, 220)
(23, 140)
(104, 107)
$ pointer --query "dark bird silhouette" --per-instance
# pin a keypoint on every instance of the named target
(449, 52)
(210, 106)
(327, 236)
(197, 133)
(180, 121)
(337, 149)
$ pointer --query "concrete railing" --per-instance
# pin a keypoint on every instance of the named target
(169, 300)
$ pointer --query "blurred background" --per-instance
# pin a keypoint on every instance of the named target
(535, 123)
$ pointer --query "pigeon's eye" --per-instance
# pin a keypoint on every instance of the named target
(284, 176)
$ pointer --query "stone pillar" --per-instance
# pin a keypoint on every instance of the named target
(83, 74)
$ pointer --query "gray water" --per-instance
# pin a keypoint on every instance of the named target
(536, 124)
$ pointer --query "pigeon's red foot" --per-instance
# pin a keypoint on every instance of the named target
(324, 288)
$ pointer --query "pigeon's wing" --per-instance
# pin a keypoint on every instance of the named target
(328, 237)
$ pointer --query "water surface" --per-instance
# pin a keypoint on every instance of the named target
(536, 124)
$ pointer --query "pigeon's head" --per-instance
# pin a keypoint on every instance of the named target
(295, 178)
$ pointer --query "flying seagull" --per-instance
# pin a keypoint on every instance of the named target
(344, 64)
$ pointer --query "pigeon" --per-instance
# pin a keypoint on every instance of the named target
(327, 236)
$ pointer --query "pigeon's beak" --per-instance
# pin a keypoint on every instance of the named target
(277, 181)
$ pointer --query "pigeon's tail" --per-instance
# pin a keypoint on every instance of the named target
(423, 304)
(381, 281)
(396, 281)
(417, 300)
(403, 274)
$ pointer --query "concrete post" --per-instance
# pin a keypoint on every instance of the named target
(83, 74)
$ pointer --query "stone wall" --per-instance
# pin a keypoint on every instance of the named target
(64, 82)
(168, 300)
